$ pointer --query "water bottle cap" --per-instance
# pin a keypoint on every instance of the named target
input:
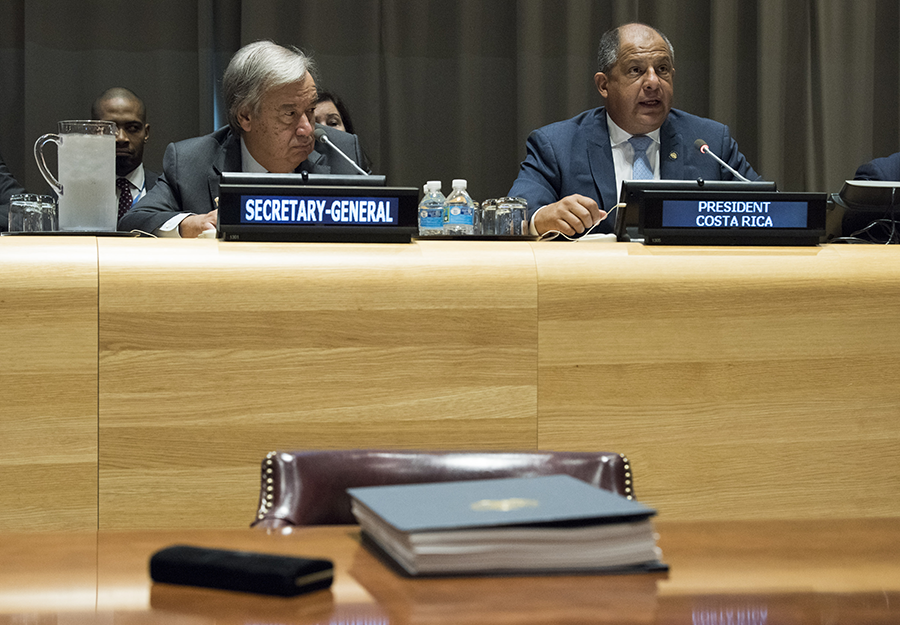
(459, 183)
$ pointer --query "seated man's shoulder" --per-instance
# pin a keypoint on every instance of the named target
(338, 136)
(213, 140)
(678, 116)
(573, 126)
(886, 168)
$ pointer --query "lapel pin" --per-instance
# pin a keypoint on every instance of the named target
(673, 155)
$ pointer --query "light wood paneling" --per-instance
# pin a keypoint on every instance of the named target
(741, 382)
(48, 376)
(212, 354)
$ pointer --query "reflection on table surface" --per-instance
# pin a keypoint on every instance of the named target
(793, 572)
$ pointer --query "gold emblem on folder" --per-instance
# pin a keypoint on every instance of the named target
(504, 505)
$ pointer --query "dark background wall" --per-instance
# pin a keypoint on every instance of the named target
(451, 88)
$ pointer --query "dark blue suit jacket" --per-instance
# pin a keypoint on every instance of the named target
(887, 168)
(575, 156)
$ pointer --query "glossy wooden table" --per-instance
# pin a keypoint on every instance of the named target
(753, 572)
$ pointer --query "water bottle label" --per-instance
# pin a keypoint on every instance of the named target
(431, 219)
(461, 216)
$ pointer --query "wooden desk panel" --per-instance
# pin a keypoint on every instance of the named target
(48, 376)
(213, 354)
(740, 382)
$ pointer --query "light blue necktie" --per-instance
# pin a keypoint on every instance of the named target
(641, 169)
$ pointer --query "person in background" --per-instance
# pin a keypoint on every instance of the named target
(875, 225)
(270, 96)
(8, 188)
(886, 168)
(332, 112)
(573, 170)
(122, 106)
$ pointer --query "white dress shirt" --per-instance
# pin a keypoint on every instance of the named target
(137, 182)
(623, 153)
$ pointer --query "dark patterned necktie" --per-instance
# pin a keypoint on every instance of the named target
(641, 165)
(125, 195)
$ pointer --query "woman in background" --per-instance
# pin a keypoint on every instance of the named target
(331, 111)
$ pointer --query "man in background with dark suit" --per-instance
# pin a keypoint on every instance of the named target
(875, 224)
(270, 96)
(122, 106)
(8, 188)
(573, 170)
(886, 168)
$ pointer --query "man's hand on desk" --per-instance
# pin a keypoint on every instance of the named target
(571, 215)
(193, 225)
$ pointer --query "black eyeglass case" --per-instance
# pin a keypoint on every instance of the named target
(242, 571)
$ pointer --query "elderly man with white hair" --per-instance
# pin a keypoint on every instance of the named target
(270, 95)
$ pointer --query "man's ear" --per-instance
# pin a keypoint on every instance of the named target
(602, 82)
(244, 120)
(146, 132)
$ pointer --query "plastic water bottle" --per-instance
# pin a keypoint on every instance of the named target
(460, 211)
(431, 210)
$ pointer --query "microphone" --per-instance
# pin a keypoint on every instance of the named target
(321, 136)
(700, 144)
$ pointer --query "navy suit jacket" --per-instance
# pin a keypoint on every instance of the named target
(887, 168)
(191, 168)
(575, 156)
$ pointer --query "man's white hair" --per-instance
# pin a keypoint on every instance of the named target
(256, 69)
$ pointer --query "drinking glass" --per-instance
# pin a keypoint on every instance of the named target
(29, 212)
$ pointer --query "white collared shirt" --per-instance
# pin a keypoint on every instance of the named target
(623, 153)
(249, 164)
(138, 183)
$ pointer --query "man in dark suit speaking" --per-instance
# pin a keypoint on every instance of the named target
(270, 95)
(574, 169)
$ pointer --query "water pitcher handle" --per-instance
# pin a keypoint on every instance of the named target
(42, 165)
